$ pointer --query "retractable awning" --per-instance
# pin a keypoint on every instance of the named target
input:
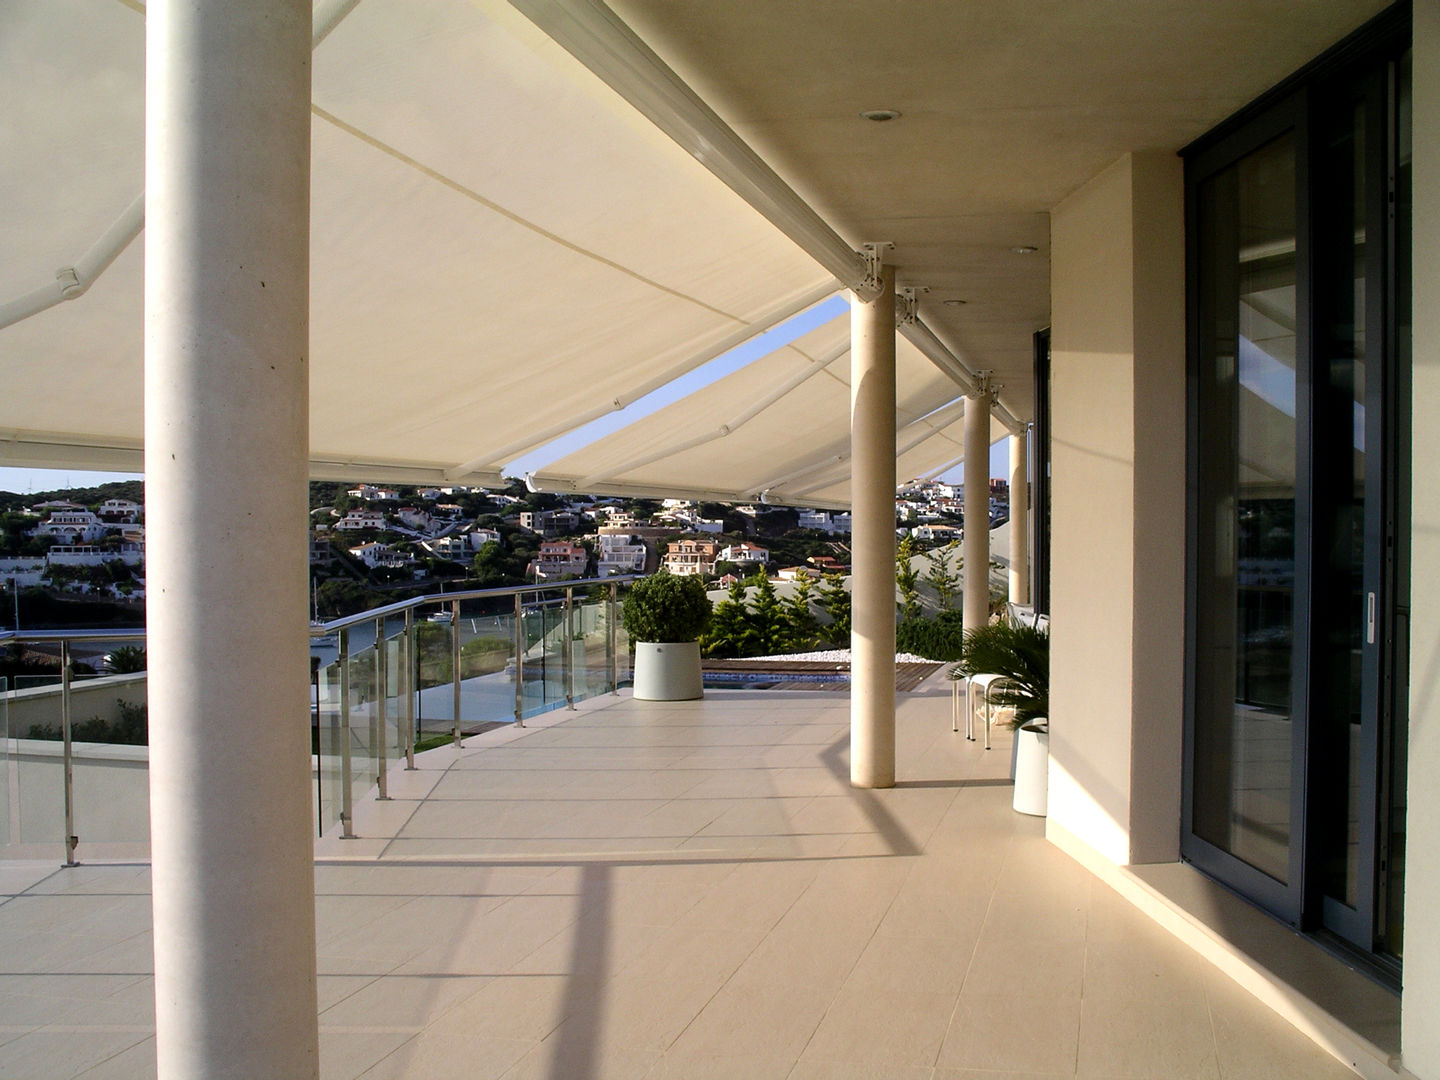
(776, 430)
(502, 248)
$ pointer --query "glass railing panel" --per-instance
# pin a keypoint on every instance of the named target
(331, 746)
(366, 742)
(7, 749)
(591, 649)
(35, 764)
(487, 665)
(434, 663)
(397, 685)
(622, 640)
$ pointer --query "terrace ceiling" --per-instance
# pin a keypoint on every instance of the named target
(502, 248)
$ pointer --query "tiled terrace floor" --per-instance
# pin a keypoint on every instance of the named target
(690, 890)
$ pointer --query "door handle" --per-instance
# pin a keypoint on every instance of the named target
(1370, 618)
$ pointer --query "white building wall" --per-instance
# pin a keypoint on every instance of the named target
(1420, 1003)
(1118, 463)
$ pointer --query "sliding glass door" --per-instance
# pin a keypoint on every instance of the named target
(1299, 363)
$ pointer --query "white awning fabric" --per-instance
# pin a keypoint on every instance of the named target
(776, 430)
(501, 247)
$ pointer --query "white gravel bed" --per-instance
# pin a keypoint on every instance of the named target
(838, 656)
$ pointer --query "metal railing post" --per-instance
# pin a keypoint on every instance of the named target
(455, 666)
(612, 639)
(347, 818)
(519, 662)
(382, 663)
(409, 682)
(71, 840)
(569, 646)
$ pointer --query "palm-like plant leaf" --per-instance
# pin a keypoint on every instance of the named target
(1019, 653)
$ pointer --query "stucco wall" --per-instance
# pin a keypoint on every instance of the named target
(1420, 1004)
(1117, 462)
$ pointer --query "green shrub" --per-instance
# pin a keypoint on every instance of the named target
(666, 608)
(940, 637)
(131, 729)
(1021, 654)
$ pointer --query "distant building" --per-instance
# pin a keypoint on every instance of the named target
(447, 547)
(381, 556)
(370, 493)
(24, 571)
(478, 538)
(691, 556)
(557, 558)
(120, 512)
(93, 555)
(72, 527)
(824, 521)
(621, 553)
(414, 518)
(743, 553)
(356, 520)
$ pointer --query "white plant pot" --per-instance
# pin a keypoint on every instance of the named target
(1032, 769)
(667, 671)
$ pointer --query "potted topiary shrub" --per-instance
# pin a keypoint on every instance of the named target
(1021, 656)
(664, 615)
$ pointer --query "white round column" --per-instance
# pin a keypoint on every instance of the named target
(872, 547)
(976, 547)
(1020, 517)
(227, 168)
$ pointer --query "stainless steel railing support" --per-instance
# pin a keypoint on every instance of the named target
(382, 689)
(71, 840)
(519, 662)
(612, 638)
(347, 806)
(455, 667)
(569, 649)
(409, 683)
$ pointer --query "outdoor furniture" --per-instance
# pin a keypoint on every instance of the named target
(984, 684)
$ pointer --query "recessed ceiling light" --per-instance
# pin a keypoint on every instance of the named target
(1025, 249)
(953, 303)
(880, 116)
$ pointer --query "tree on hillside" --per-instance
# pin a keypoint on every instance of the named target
(907, 578)
(766, 617)
(802, 629)
(835, 602)
(941, 577)
(728, 632)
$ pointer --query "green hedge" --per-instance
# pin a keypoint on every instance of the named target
(939, 637)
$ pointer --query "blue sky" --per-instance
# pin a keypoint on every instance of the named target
(27, 480)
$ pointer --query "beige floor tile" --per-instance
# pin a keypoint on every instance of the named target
(135, 1063)
(755, 1017)
(1253, 1043)
(907, 1032)
(911, 964)
(450, 1056)
(1159, 1032)
(685, 1065)
(1036, 1032)
(403, 1001)
(824, 1069)
(57, 1052)
(997, 1074)
(559, 1056)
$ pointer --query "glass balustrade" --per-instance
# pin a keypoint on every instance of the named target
(381, 682)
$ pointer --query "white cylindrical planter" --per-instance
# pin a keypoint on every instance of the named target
(227, 227)
(872, 541)
(667, 671)
(1032, 769)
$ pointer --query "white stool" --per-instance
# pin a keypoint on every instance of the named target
(984, 683)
